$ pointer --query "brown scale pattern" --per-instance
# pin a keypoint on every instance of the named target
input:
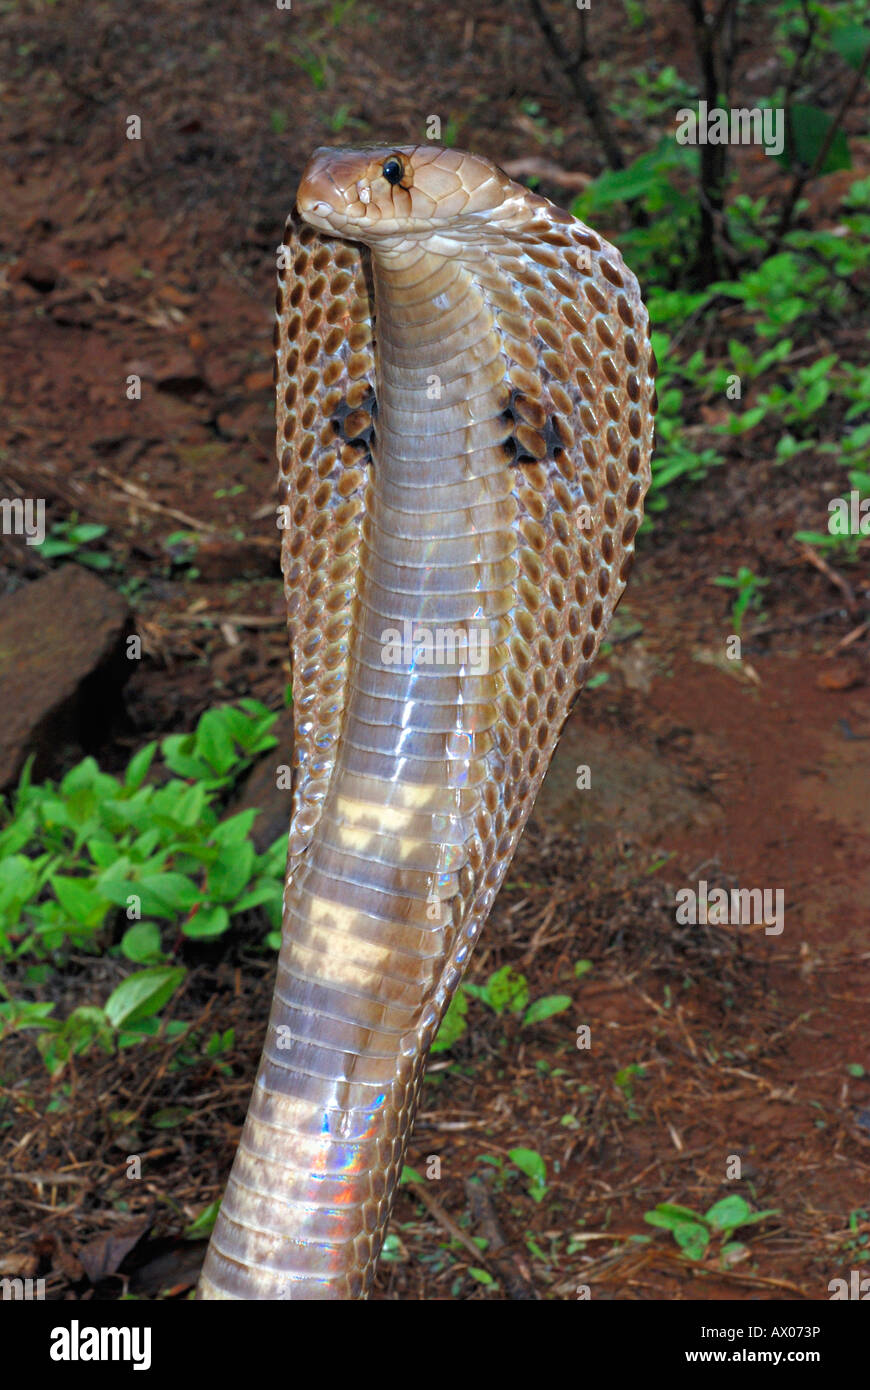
(578, 354)
(575, 405)
(322, 482)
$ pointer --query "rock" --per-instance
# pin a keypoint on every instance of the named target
(631, 788)
(63, 664)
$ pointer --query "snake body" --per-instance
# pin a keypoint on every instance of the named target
(465, 402)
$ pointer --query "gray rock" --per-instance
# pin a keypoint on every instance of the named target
(63, 664)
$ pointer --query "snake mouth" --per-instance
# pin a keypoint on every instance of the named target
(317, 213)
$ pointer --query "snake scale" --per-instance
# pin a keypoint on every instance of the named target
(465, 405)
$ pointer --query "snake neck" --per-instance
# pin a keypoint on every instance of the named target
(374, 907)
(445, 607)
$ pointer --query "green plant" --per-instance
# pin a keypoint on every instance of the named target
(72, 539)
(840, 539)
(674, 456)
(506, 991)
(748, 588)
(694, 1232)
(102, 864)
(858, 1244)
(312, 65)
(659, 185)
(530, 1162)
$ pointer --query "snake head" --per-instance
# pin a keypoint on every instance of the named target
(383, 194)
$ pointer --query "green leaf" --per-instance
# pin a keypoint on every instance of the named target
(529, 1161)
(81, 899)
(142, 995)
(165, 895)
(730, 1212)
(545, 1008)
(18, 1014)
(229, 874)
(262, 891)
(851, 42)
(214, 742)
(202, 1225)
(141, 943)
(692, 1238)
(810, 126)
(87, 531)
(481, 1275)
(669, 1215)
(235, 829)
(507, 989)
(207, 922)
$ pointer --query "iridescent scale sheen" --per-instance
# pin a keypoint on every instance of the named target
(464, 434)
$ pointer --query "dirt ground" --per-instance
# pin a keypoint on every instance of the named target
(156, 257)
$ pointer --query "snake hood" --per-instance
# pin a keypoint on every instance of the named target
(464, 411)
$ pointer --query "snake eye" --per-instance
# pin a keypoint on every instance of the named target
(393, 171)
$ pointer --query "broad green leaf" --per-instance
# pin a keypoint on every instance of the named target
(810, 126)
(166, 895)
(207, 922)
(18, 1014)
(530, 1162)
(137, 768)
(231, 872)
(202, 1225)
(728, 1213)
(852, 42)
(81, 899)
(692, 1238)
(141, 943)
(86, 531)
(546, 1008)
(262, 891)
(142, 995)
(214, 742)
(235, 829)
(669, 1215)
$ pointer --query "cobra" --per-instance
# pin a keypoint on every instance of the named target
(465, 405)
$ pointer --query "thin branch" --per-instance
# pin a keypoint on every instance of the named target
(712, 163)
(807, 176)
(572, 67)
